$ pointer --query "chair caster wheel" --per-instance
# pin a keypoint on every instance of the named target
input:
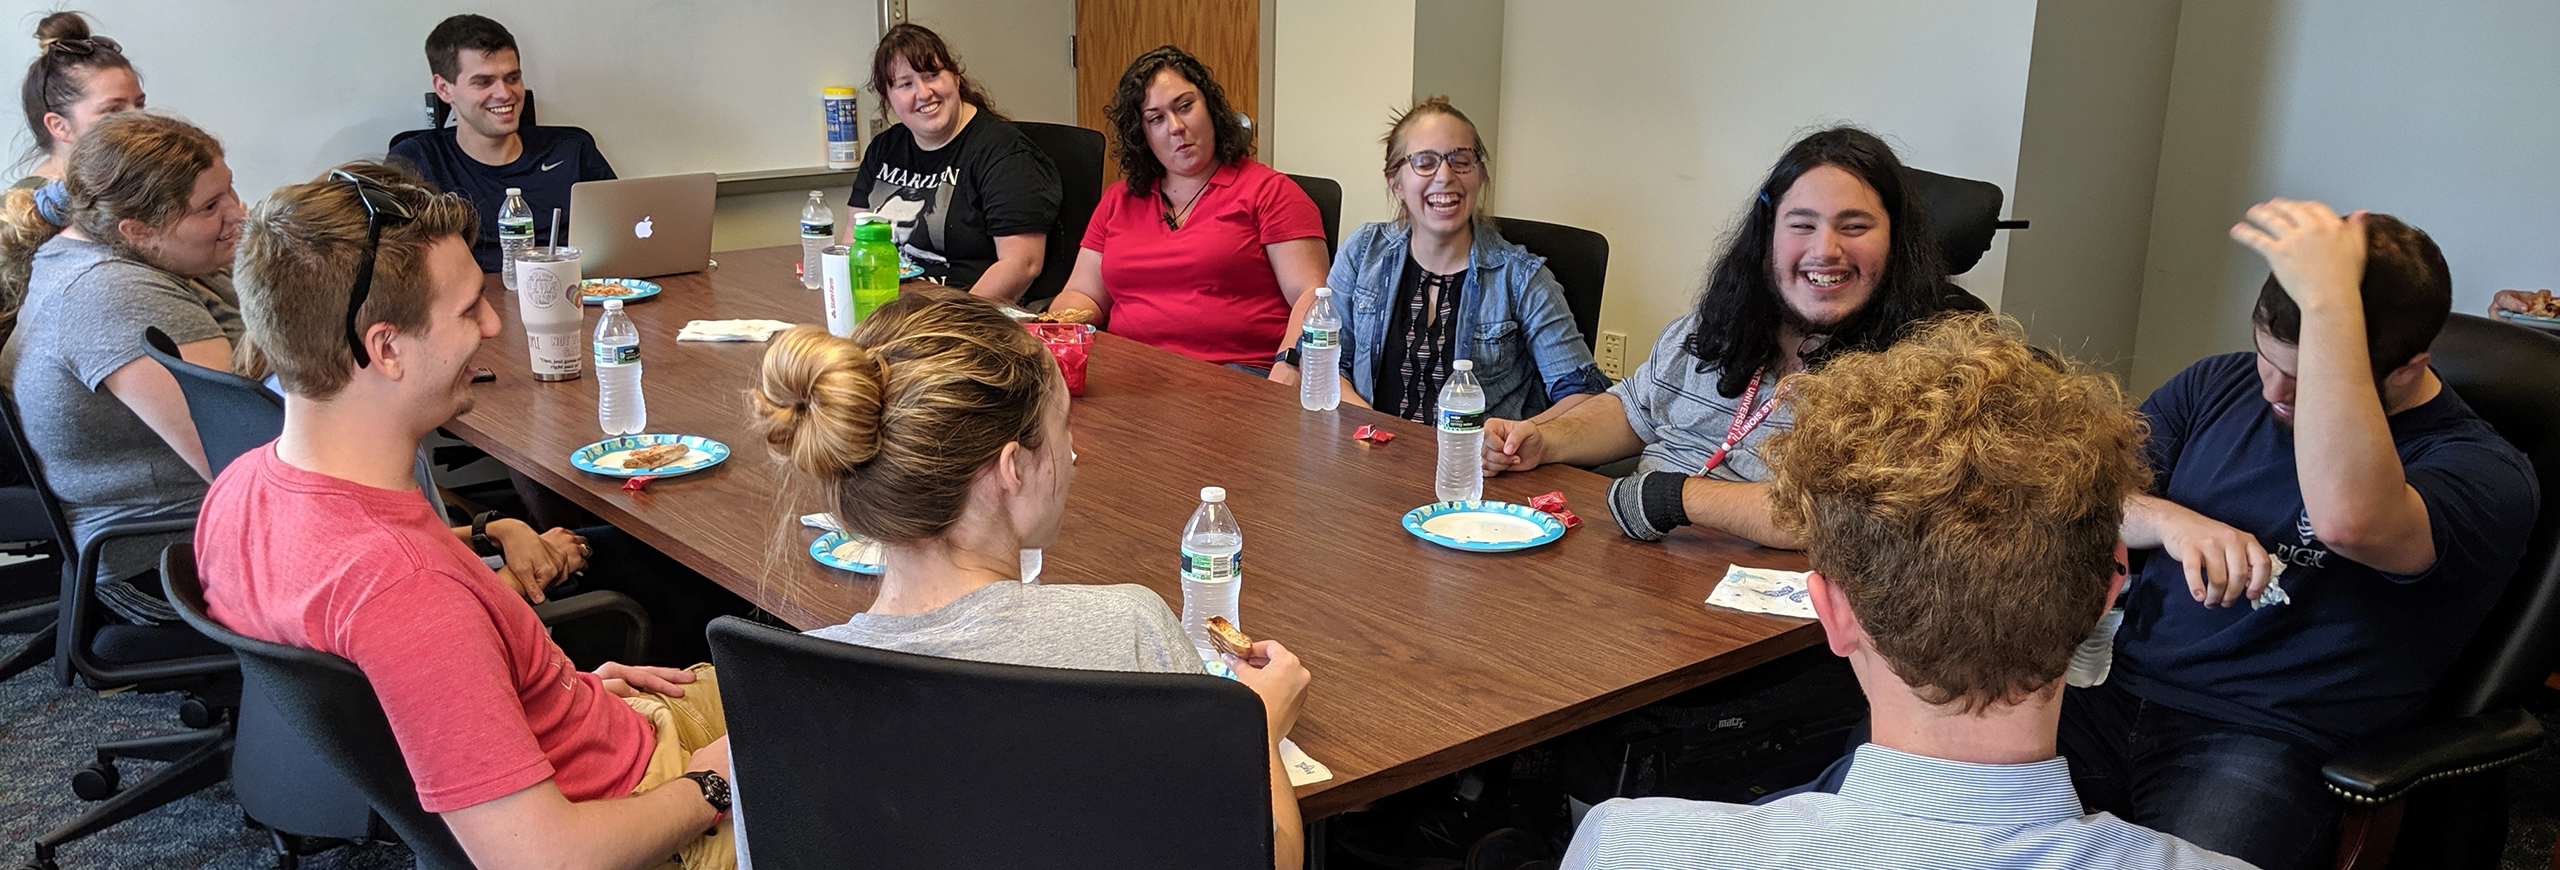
(96, 782)
(195, 713)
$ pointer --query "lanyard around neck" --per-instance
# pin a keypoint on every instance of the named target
(1745, 419)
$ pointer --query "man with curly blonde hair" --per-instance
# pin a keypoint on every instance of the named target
(1958, 495)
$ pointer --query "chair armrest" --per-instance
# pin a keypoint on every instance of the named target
(602, 607)
(74, 629)
(2386, 769)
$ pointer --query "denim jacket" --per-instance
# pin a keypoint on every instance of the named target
(1512, 320)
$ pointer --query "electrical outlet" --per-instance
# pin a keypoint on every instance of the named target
(1613, 354)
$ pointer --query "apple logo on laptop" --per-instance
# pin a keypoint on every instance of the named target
(641, 229)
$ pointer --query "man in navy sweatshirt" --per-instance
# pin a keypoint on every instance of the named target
(2333, 465)
(473, 65)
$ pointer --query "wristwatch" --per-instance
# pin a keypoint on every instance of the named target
(1289, 356)
(481, 544)
(715, 788)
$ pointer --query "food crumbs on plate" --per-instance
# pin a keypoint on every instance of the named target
(637, 483)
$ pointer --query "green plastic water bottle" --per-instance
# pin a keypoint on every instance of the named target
(875, 265)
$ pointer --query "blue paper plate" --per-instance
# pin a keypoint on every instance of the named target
(633, 289)
(908, 270)
(2547, 324)
(855, 549)
(1483, 526)
(602, 457)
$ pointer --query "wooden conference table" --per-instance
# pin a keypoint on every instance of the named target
(1426, 660)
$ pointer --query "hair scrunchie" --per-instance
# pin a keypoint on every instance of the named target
(53, 203)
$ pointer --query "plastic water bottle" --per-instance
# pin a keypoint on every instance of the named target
(1212, 568)
(1461, 418)
(817, 231)
(1319, 353)
(515, 233)
(875, 265)
(620, 408)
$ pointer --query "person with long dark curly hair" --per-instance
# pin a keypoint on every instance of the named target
(1202, 250)
(1831, 256)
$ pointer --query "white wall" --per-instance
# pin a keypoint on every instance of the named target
(2442, 114)
(1651, 122)
(2088, 164)
(1016, 49)
(1457, 53)
(1343, 68)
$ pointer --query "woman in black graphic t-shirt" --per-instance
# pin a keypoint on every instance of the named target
(972, 200)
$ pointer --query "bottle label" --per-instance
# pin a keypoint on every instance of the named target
(817, 231)
(1315, 338)
(1210, 568)
(515, 229)
(617, 354)
(1462, 422)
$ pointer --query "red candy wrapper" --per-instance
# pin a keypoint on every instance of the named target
(1550, 502)
(1071, 343)
(1567, 517)
(1372, 434)
(638, 483)
(1362, 433)
(1382, 436)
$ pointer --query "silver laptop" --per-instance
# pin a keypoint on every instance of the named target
(642, 227)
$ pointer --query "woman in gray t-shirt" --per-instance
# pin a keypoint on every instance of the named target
(940, 429)
(139, 234)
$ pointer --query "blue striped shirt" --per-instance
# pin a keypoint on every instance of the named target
(1894, 809)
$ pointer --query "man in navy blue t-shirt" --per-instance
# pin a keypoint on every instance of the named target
(473, 64)
(2333, 465)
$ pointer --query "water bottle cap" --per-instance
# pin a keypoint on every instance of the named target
(1464, 365)
(1213, 494)
(515, 191)
(616, 305)
(1324, 292)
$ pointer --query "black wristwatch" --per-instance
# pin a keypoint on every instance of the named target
(1289, 356)
(481, 544)
(715, 788)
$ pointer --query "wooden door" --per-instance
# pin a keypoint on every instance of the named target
(1224, 34)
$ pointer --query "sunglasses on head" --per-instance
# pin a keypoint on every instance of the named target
(382, 208)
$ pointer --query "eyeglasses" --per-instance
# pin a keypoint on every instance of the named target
(1427, 163)
(381, 208)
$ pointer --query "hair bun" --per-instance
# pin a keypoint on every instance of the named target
(63, 30)
(818, 399)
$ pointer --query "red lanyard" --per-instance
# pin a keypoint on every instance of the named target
(1744, 420)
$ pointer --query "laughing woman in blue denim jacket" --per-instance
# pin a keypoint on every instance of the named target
(1439, 284)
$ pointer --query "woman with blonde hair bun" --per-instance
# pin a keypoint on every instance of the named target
(940, 429)
(139, 233)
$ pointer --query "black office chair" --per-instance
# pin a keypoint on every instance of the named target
(1077, 152)
(2435, 793)
(1328, 196)
(1962, 214)
(438, 113)
(850, 754)
(233, 414)
(104, 653)
(328, 703)
(1578, 257)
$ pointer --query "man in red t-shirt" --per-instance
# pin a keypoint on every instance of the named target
(321, 540)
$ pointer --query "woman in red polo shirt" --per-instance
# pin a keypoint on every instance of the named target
(1204, 250)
